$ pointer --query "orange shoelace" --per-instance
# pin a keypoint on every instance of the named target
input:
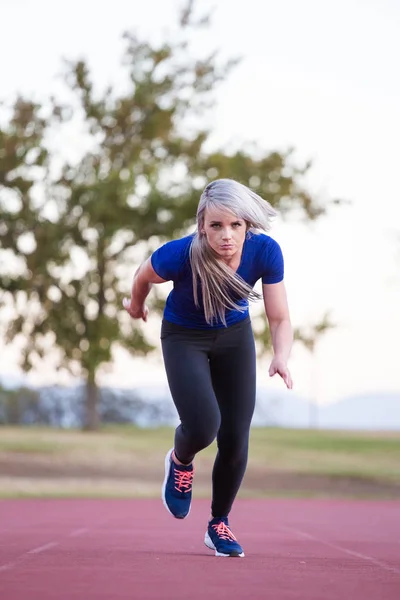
(224, 532)
(183, 480)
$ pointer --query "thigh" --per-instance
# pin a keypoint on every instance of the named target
(189, 378)
(233, 373)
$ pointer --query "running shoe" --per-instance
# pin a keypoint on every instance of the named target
(220, 538)
(177, 487)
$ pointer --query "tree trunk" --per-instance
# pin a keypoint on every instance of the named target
(92, 420)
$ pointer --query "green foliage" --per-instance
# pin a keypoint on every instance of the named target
(16, 404)
(310, 337)
(66, 233)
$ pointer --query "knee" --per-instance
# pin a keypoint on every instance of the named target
(233, 447)
(203, 433)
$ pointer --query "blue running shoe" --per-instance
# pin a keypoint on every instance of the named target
(220, 538)
(177, 487)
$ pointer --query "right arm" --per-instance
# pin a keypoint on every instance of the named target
(143, 280)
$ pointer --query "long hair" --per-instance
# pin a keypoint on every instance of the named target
(221, 287)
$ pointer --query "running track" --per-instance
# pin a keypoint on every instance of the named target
(119, 549)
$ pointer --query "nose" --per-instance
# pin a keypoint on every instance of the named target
(226, 233)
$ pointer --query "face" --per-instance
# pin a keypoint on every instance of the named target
(225, 232)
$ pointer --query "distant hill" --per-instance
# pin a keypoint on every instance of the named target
(375, 411)
(153, 406)
(281, 409)
(379, 411)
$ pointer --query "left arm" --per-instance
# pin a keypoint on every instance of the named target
(277, 311)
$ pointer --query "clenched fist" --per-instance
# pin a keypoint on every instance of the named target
(140, 312)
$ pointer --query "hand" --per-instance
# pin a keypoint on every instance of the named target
(135, 313)
(279, 366)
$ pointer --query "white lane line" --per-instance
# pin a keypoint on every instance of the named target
(371, 559)
(7, 566)
(78, 532)
(40, 549)
(43, 548)
(23, 557)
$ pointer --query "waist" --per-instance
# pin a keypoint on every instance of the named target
(168, 326)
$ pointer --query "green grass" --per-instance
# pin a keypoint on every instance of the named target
(28, 446)
(126, 461)
(328, 452)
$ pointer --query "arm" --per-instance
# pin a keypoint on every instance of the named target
(143, 280)
(277, 311)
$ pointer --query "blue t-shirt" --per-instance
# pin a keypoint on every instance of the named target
(261, 258)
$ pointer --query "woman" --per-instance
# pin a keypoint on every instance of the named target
(208, 345)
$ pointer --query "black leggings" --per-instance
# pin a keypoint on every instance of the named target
(212, 378)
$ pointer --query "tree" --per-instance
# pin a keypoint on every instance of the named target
(28, 239)
(18, 405)
(137, 185)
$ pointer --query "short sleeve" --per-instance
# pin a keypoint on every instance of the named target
(168, 260)
(273, 263)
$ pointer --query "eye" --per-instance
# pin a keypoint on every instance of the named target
(215, 225)
(237, 224)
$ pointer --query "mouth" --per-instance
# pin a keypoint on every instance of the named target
(227, 246)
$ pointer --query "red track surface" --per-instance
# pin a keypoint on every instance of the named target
(94, 550)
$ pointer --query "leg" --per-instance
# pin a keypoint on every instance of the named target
(233, 370)
(188, 372)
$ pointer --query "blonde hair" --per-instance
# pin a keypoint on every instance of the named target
(220, 285)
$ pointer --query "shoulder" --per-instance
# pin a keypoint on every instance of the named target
(179, 245)
(263, 243)
(168, 259)
(268, 258)
(176, 249)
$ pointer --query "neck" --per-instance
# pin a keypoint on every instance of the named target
(233, 261)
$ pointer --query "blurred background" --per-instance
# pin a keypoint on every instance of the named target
(112, 120)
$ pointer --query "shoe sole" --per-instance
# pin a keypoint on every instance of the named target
(209, 543)
(167, 465)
